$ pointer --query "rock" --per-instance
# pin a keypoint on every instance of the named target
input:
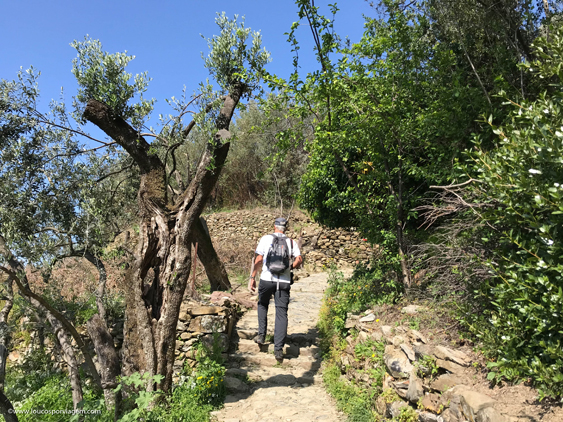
(247, 334)
(489, 414)
(14, 356)
(456, 356)
(387, 331)
(473, 402)
(427, 417)
(376, 335)
(423, 350)
(413, 309)
(236, 372)
(397, 363)
(401, 387)
(368, 318)
(362, 336)
(381, 406)
(416, 335)
(351, 321)
(430, 402)
(181, 326)
(184, 311)
(208, 324)
(395, 408)
(223, 340)
(450, 416)
(234, 385)
(416, 389)
(450, 366)
(398, 340)
(408, 351)
(445, 382)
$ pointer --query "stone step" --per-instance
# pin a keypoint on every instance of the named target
(249, 346)
(266, 359)
(299, 339)
(275, 376)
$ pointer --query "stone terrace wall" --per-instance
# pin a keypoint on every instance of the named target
(241, 230)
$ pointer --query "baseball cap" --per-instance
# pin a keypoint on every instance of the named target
(280, 221)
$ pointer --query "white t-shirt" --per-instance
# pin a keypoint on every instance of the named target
(264, 247)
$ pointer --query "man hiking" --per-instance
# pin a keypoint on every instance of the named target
(278, 255)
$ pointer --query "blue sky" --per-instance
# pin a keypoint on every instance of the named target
(164, 36)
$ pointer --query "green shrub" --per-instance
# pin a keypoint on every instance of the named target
(23, 380)
(520, 188)
(351, 399)
(367, 287)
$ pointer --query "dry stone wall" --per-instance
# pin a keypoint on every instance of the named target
(206, 323)
(241, 230)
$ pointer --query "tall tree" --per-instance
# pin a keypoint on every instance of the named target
(157, 279)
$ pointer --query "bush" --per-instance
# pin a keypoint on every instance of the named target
(368, 286)
(520, 186)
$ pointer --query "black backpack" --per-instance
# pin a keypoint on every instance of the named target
(277, 260)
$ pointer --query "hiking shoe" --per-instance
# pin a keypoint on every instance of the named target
(278, 354)
(260, 339)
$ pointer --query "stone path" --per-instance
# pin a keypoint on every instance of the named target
(262, 390)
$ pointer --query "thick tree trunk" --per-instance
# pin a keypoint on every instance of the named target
(156, 283)
(214, 268)
(6, 408)
(5, 329)
(68, 355)
(108, 360)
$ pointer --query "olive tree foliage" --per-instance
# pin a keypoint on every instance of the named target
(51, 199)
(102, 75)
(57, 199)
(232, 59)
(492, 36)
(256, 172)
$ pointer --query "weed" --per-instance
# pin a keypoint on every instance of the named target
(389, 396)
(407, 414)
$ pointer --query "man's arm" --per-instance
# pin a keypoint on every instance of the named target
(298, 259)
(252, 282)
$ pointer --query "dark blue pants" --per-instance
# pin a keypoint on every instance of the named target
(281, 299)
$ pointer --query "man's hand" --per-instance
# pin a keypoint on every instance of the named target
(252, 285)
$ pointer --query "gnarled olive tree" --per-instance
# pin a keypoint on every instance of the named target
(169, 218)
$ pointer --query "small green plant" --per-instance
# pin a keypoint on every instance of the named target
(390, 396)
(143, 400)
(351, 399)
(407, 414)
(427, 366)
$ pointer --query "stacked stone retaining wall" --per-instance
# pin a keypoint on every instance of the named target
(320, 245)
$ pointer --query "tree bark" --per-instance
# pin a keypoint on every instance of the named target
(214, 268)
(69, 356)
(5, 329)
(7, 409)
(108, 360)
(102, 279)
(156, 283)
